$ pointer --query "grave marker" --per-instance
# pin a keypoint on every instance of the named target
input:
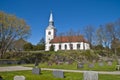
(101, 64)
(19, 78)
(90, 75)
(80, 65)
(109, 63)
(91, 65)
(58, 74)
(36, 70)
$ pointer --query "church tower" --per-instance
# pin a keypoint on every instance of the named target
(50, 33)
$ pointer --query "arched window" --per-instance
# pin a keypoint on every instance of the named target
(78, 46)
(65, 46)
(71, 46)
(49, 33)
(59, 47)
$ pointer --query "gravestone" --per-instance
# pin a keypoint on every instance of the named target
(80, 65)
(110, 63)
(101, 64)
(58, 74)
(19, 78)
(66, 62)
(94, 61)
(49, 63)
(91, 65)
(36, 70)
(90, 75)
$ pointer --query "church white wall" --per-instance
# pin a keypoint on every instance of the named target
(87, 46)
(49, 37)
(47, 47)
(82, 46)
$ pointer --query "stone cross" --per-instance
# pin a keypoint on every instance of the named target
(19, 78)
(90, 75)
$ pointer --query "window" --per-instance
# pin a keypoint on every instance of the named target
(59, 47)
(65, 46)
(71, 46)
(49, 33)
(78, 46)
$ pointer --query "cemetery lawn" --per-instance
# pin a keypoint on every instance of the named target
(47, 75)
(73, 66)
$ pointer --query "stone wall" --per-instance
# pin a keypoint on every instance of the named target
(7, 61)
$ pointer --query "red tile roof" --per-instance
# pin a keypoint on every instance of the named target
(63, 39)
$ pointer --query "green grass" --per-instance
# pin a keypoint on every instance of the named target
(47, 75)
(74, 66)
(109, 77)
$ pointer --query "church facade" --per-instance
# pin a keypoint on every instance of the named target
(63, 42)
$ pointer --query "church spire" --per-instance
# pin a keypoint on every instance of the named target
(51, 17)
(51, 22)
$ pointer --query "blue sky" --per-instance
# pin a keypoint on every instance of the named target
(68, 14)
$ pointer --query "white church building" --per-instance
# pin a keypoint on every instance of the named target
(63, 42)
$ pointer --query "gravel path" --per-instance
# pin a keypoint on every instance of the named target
(14, 68)
(19, 68)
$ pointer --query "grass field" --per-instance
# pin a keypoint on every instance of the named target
(47, 75)
(74, 66)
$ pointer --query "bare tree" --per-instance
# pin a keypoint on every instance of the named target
(101, 36)
(11, 28)
(112, 32)
(109, 35)
(89, 33)
(117, 24)
(115, 36)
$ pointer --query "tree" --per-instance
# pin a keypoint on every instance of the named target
(28, 47)
(11, 28)
(52, 48)
(18, 44)
(112, 31)
(115, 44)
(89, 33)
(41, 44)
(101, 36)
